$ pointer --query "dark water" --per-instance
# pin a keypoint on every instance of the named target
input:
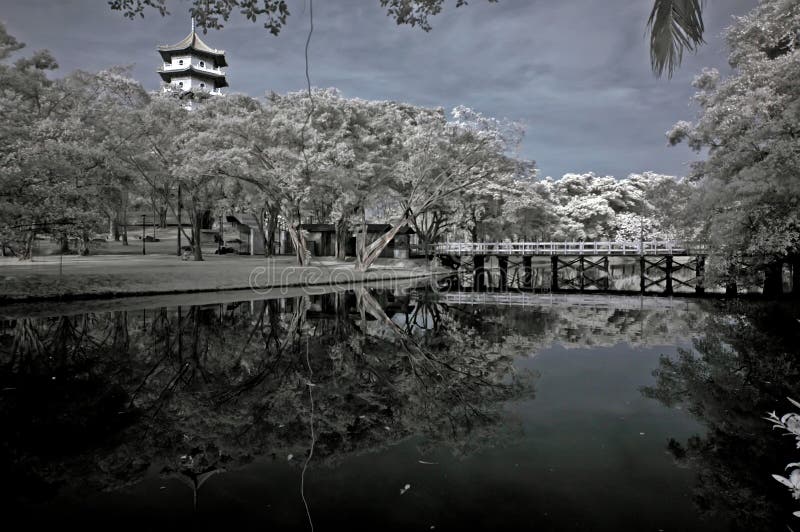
(512, 413)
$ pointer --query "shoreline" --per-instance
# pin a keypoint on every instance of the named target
(106, 277)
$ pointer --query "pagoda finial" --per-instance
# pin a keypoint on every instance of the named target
(192, 24)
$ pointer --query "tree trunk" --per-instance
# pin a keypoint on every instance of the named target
(114, 232)
(197, 221)
(27, 249)
(367, 255)
(299, 244)
(63, 244)
(220, 236)
(272, 226)
(125, 218)
(341, 227)
(84, 244)
(361, 241)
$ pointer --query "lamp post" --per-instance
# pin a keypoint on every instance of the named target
(143, 245)
(641, 222)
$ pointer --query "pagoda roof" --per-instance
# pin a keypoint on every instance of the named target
(193, 42)
(219, 79)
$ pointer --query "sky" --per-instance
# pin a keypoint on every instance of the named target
(576, 73)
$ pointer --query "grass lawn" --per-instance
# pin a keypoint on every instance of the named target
(73, 277)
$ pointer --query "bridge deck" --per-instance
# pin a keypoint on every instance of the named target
(666, 247)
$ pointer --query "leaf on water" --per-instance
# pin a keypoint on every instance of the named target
(405, 489)
(290, 457)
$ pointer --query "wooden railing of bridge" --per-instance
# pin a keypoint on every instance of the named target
(655, 247)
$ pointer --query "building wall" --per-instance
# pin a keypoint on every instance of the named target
(192, 83)
(176, 61)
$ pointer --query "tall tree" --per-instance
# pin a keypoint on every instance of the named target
(749, 191)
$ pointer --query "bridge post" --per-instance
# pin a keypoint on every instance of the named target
(527, 275)
(668, 289)
(730, 288)
(642, 274)
(700, 274)
(503, 262)
(554, 273)
(773, 279)
(607, 282)
(730, 285)
(479, 272)
(581, 280)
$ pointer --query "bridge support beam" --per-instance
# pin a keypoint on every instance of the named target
(668, 273)
(502, 260)
(554, 273)
(607, 281)
(642, 273)
(479, 272)
(527, 275)
(700, 274)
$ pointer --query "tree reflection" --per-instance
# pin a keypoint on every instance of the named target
(744, 366)
(95, 401)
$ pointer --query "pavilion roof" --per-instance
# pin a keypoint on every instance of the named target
(193, 42)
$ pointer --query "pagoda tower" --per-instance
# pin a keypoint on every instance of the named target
(191, 66)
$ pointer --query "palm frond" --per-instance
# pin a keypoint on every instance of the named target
(674, 26)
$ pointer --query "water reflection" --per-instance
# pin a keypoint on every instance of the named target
(745, 364)
(196, 391)
(108, 401)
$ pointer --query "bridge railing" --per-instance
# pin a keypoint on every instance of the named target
(655, 247)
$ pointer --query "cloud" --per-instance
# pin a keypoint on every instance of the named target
(575, 71)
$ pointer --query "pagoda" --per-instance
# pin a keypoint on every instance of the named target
(191, 66)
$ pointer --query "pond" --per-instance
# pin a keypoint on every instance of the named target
(399, 408)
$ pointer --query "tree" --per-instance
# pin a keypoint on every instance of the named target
(749, 193)
(27, 100)
(674, 26)
(55, 174)
(441, 159)
(283, 149)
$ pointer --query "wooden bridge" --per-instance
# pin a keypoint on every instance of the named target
(582, 265)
